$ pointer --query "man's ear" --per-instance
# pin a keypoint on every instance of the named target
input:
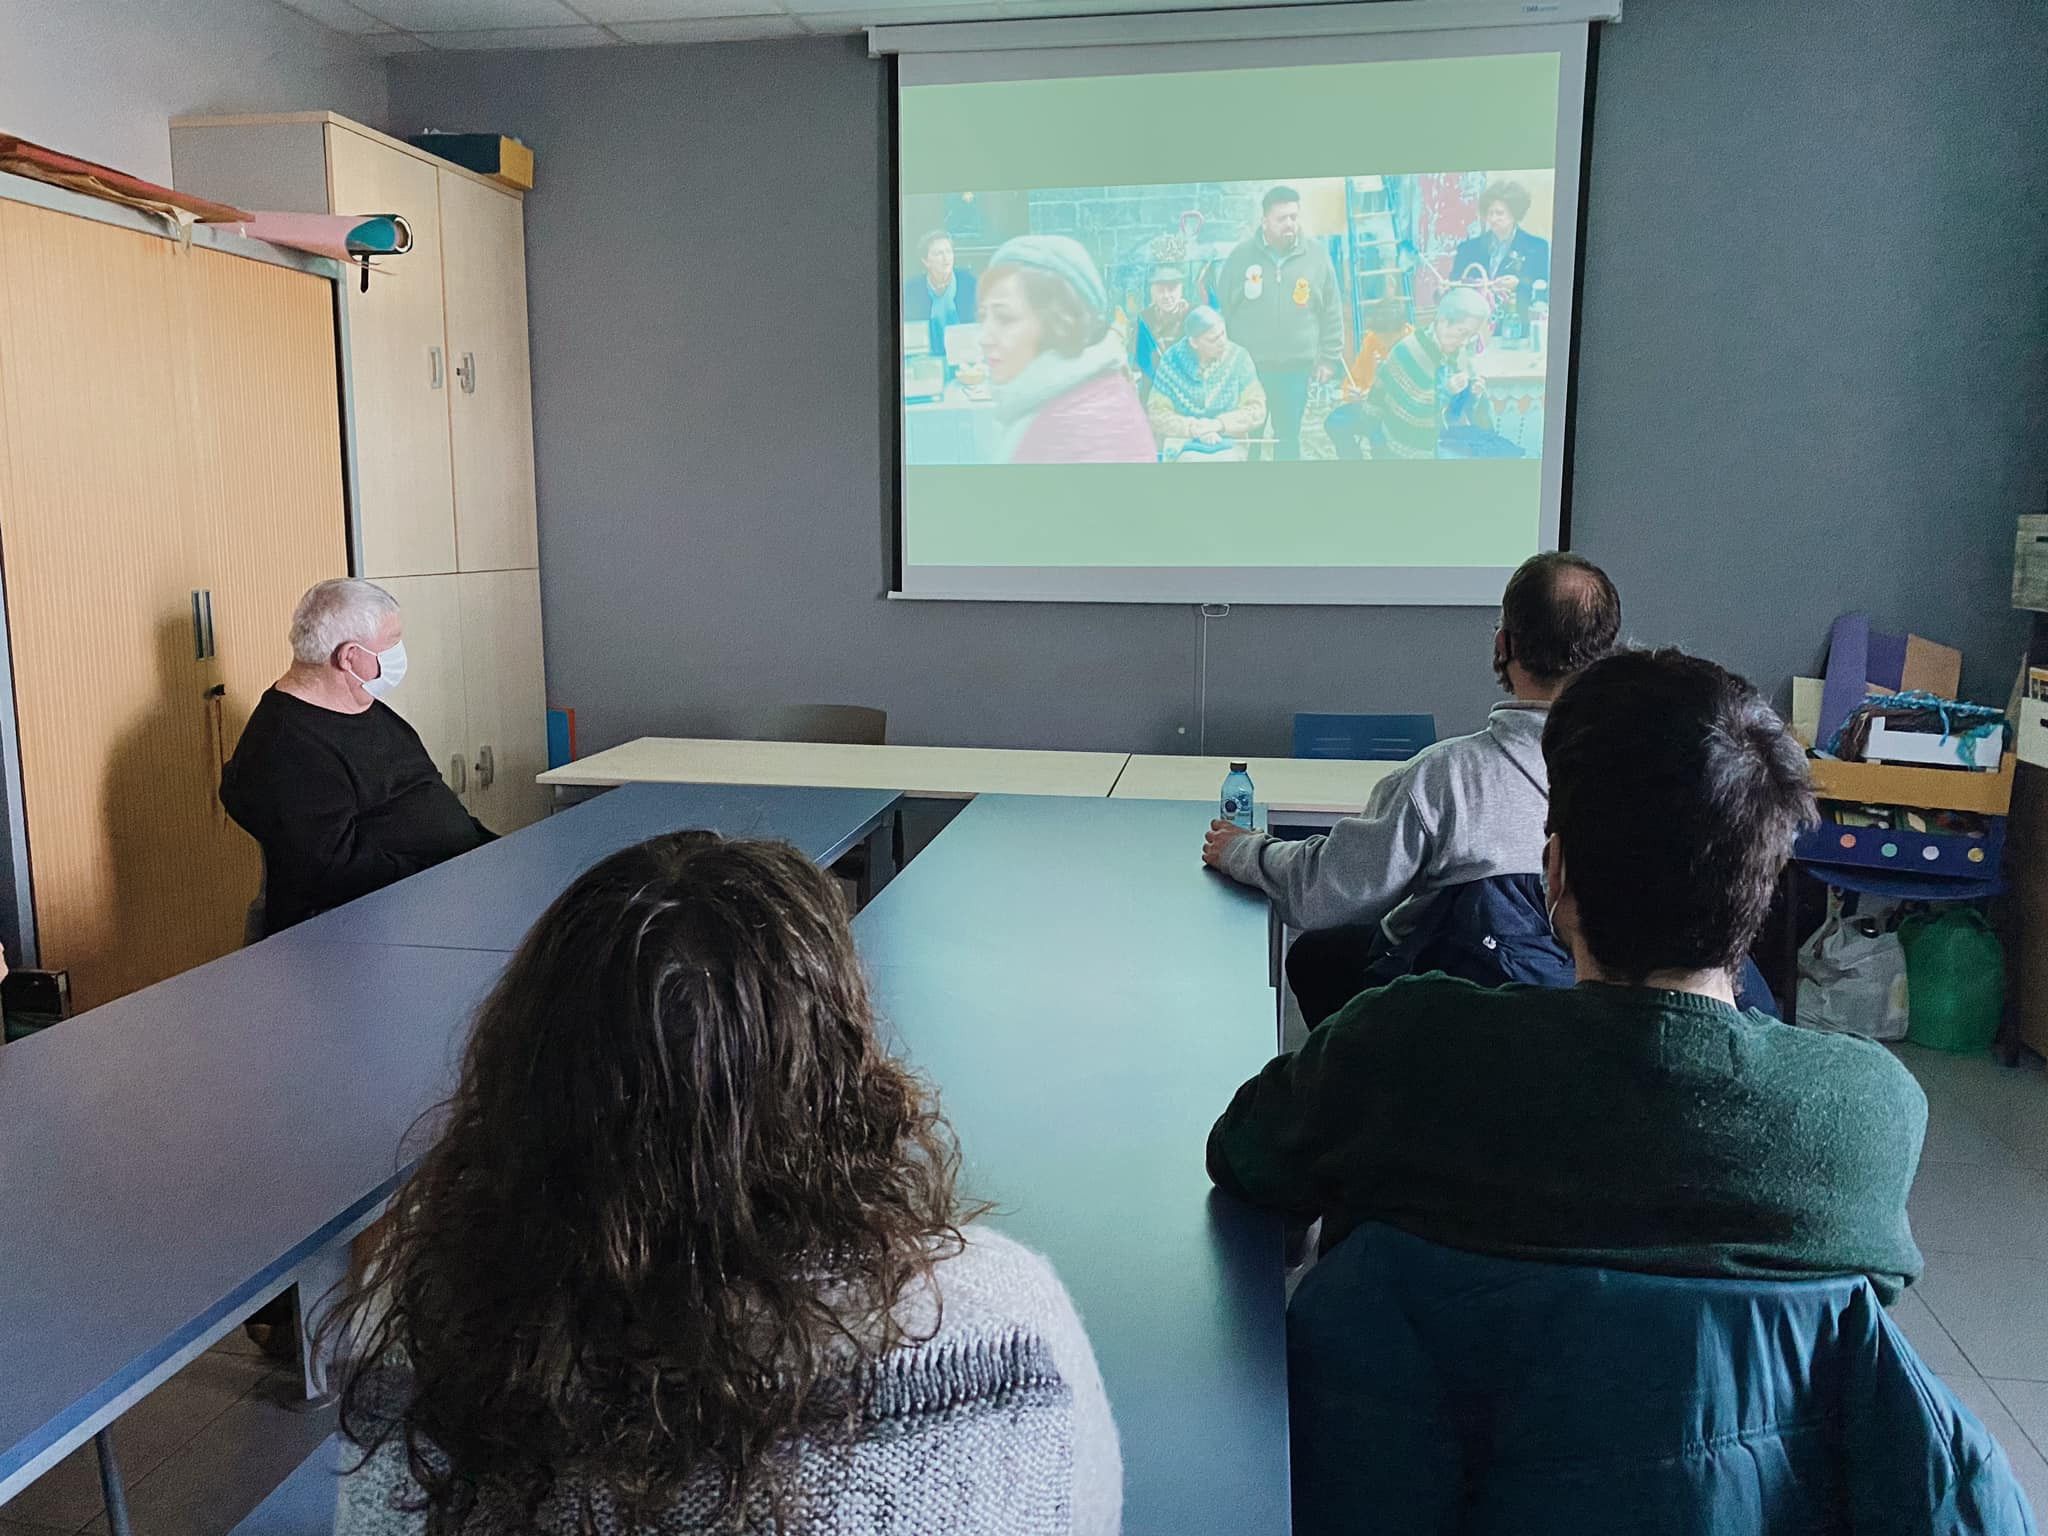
(1554, 880)
(1503, 653)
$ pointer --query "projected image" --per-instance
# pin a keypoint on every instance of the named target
(1320, 318)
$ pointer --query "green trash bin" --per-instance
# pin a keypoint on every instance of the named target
(1955, 980)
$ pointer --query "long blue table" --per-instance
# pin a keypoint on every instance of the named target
(1087, 997)
(488, 899)
(172, 1160)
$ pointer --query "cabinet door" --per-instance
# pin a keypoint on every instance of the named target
(398, 365)
(96, 516)
(491, 399)
(508, 708)
(431, 697)
(264, 445)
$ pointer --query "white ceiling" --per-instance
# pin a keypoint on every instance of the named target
(411, 26)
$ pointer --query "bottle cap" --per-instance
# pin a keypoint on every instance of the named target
(1240, 767)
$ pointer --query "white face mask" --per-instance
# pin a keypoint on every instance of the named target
(390, 672)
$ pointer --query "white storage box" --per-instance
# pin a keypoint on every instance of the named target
(1934, 749)
(2033, 723)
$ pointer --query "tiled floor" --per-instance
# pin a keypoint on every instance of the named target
(210, 1444)
(1980, 1212)
(197, 1455)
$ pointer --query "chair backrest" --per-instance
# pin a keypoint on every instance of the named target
(850, 725)
(1434, 1391)
(1363, 738)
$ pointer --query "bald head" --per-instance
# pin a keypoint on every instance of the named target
(1559, 614)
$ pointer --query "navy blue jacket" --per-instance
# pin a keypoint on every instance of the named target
(1495, 931)
(1441, 1393)
(1528, 259)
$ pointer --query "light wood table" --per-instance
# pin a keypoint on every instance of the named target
(1318, 787)
(938, 773)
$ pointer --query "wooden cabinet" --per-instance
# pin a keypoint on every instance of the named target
(2026, 873)
(490, 404)
(432, 698)
(170, 480)
(398, 354)
(441, 380)
(502, 658)
(444, 439)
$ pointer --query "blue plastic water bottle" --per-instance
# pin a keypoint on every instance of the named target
(1237, 795)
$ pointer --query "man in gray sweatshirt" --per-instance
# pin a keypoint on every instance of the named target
(1468, 808)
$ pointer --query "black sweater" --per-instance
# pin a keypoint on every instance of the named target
(342, 804)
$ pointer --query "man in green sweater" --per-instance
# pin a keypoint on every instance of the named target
(1638, 1120)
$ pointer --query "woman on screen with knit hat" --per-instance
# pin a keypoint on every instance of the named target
(687, 1254)
(1062, 392)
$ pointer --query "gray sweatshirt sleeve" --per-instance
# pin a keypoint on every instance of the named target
(1357, 873)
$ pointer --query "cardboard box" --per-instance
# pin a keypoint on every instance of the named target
(1932, 789)
(506, 161)
(1862, 661)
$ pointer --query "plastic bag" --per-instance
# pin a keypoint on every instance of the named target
(1852, 977)
(1956, 969)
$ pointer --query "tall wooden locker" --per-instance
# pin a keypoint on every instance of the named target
(170, 480)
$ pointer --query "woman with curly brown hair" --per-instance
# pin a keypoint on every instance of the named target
(687, 1252)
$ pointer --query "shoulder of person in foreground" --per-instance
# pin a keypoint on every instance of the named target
(1854, 1091)
(1268, 1145)
(995, 1341)
(995, 1287)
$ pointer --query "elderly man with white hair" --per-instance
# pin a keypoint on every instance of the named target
(1427, 376)
(330, 780)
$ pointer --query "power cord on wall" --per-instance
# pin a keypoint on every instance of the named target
(1207, 613)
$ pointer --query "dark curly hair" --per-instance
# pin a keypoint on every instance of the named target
(675, 1198)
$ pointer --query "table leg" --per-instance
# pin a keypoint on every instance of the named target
(319, 1286)
(111, 1487)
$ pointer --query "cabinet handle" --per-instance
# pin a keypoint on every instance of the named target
(467, 373)
(458, 775)
(434, 353)
(486, 768)
(198, 629)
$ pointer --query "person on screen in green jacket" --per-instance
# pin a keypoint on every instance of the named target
(1280, 302)
(1426, 375)
(1638, 1120)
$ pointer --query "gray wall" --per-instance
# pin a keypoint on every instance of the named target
(1812, 356)
(103, 78)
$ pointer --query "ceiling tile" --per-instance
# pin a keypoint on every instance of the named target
(471, 15)
(711, 29)
(627, 13)
(521, 37)
(338, 16)
(392, 42)
(862, 12)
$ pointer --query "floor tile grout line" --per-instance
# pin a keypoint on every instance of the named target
(1927, 1304)
(2040, 1450)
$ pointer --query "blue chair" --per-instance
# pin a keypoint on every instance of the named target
(1441, 1393)
(1363, 738)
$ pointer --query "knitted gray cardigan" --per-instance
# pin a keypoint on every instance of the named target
(998, 1425)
